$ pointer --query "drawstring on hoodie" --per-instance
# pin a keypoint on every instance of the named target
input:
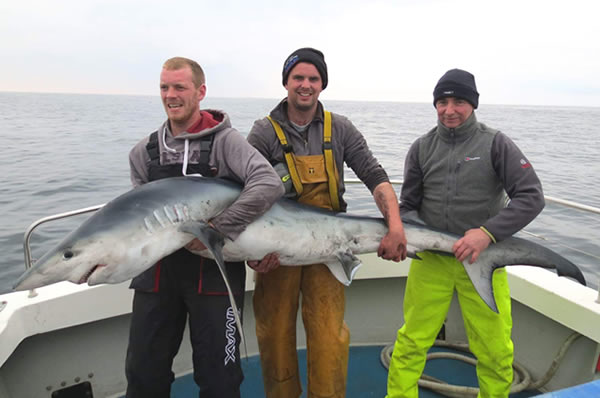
(185, 161)
(185, 153)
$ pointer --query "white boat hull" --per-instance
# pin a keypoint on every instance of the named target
(69, 334)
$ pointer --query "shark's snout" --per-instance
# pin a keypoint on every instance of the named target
(31, 280)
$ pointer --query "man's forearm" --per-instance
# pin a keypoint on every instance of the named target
(387, 202)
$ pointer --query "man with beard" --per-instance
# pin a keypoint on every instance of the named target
(312, 144)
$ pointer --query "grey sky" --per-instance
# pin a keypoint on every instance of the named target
(521, 52)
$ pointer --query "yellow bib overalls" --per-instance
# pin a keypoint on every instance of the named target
(277, 294)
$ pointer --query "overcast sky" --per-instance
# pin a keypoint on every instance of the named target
(520, 51)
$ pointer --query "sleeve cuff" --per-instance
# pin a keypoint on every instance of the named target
(488, 233)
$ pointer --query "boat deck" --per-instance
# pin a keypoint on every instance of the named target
(97, 326)
(366, 376)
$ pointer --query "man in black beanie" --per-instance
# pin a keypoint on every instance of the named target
(314, 144)
(456, 178)
(459, 84)
(309, 55)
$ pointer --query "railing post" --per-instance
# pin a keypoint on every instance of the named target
(35, 224)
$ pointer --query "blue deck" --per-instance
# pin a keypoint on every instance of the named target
(366, 376)
(588, 390)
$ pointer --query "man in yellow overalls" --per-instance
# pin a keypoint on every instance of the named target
(313, 144)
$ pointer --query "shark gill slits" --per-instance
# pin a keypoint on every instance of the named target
(148, 223)
(179, 212)
(158, 216)
(171, 214)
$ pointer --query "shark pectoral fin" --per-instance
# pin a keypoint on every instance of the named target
(346, 268)
(211, 238)
(214, 242)
(480, 273)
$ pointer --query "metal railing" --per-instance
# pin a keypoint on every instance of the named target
(35, 224)
(550, 199)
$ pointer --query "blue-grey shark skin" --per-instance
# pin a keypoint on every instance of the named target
(511, 251)
(135, 230)
(125, 229)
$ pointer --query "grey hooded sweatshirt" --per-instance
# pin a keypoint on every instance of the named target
(231, 157)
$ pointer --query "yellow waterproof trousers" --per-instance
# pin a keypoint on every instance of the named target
(276, 298)
(430, 286)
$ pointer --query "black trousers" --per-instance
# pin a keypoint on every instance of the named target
(157, 326)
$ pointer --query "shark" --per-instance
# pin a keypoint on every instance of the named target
(136, 229)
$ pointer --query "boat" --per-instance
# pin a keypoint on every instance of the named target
(69, 341)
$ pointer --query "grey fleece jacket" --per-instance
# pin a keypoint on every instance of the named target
(348, 144)
(457, 179)
(231, 156)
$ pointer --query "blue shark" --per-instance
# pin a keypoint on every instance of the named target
(135, 230)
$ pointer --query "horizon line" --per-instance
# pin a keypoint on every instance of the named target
(279, 99)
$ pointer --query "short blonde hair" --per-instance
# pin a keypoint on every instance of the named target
(176, 63)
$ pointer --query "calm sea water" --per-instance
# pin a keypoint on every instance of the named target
(61, 152)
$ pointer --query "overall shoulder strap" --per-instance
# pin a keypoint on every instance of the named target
(205, 148)
(152, 148)
(289, 155)
(152, 145)
(329, 162)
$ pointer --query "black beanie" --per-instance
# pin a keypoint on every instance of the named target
(309, 55)
(457, 83)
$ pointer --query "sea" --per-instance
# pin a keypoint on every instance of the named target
(61, 152)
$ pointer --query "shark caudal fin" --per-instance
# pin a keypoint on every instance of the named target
(515, 251)
(481, 273)
(525, 252)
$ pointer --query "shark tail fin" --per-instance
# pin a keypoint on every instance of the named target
(526, 252)
(481, 274)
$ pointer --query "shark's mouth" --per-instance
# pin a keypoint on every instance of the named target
(87, 275)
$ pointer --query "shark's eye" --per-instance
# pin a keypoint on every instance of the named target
(68, 254)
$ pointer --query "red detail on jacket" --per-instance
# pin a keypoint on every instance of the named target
(200, 278)
(200, 283)
(157, 277)
(206, 121)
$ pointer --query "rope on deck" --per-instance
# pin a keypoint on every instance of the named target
(522, 379)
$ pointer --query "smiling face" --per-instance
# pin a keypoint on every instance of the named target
(304, 85)
(452, 111)
(180, 97)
